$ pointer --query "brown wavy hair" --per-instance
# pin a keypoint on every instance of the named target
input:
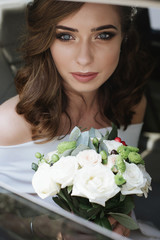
(42, 96)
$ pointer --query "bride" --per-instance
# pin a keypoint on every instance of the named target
(83, 67)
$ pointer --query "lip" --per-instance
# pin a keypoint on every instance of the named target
(84, 77)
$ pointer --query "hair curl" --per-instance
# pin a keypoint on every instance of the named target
(42, 97)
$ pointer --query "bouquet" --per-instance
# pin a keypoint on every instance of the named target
(93, 176)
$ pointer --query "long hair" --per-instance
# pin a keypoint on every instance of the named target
(126, 86)
(42, 97)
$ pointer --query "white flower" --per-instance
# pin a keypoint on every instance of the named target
(64, 170)
(134, 180)
(146, 176)
(112, 145)
(88, 157)
(95, 183)
(43, 183)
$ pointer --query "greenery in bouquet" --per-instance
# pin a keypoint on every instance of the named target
(93, 176)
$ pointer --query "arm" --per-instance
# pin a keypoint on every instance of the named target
(13, 127)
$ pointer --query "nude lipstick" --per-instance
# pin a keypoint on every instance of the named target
(84, 77)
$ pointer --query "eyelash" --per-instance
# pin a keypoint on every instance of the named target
(61, 36)
(105, 36)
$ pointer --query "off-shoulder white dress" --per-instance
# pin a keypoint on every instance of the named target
(16, 160)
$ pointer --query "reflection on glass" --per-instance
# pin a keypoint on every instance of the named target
(23, 219)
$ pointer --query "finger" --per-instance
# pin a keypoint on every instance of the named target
(122, 230)
(119, 229)
(127, 232)
(112, 220)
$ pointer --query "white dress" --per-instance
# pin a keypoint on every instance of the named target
(16, 161)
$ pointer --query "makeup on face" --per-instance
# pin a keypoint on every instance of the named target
(87, 46)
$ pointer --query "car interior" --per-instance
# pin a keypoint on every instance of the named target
(12, 28)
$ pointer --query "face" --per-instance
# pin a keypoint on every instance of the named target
(87, 46)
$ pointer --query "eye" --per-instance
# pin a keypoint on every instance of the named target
(105, 35)
(64, 36)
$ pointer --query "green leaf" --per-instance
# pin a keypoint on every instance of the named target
(82, 213)
(92, 133)
(115, 205)
(61, 203)
(85, 207)
(62, 195)
(95, 205)
(122, 197)
(66, 153)
(92, 213)
(67, 198)
(127, 205)
(83, 139)
(112, 203)
(103, 222)
(66, 145)
(84, 201)
(75, 202)
(106, 135)
(102, 146)
(34, 167)
(98, 134)
(79, 149)
(75, 133)
(113, 134)
(69, 189)
(125, 220)
(102, 214)
(91, 145)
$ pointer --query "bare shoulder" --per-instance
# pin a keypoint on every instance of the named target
(139, 110)
(13, 127)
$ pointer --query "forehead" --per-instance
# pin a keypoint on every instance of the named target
(93, 14)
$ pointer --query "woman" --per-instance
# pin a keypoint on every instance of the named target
(82, 67)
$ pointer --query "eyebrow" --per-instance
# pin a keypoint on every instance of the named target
(103, 27)
(66, 28)
(110, 26)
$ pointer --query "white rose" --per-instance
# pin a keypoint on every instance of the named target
(112, 145)
(146, 176)
(88, 157)
(134, 180)
(43, 183)
(95, 183)
(64, 170)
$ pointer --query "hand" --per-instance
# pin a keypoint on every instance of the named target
(118, 228)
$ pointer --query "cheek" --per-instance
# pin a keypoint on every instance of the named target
(60, 56)
(56, 53)
(111, 57)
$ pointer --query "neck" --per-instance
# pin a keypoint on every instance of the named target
(82, 103)
(83, 111)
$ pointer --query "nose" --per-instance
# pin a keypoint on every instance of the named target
(84, 53)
